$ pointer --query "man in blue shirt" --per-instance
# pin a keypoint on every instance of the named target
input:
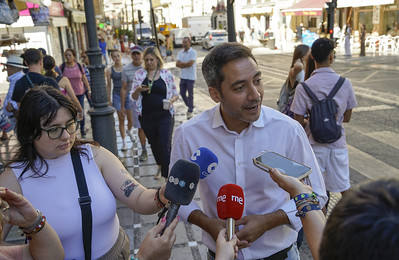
(186, 62)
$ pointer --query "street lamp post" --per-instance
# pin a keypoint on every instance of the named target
(134, 26)
(231, 28)
(102, 115)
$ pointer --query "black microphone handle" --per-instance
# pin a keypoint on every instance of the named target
(170, 216)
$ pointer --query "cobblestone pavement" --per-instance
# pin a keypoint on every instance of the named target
(372, 137)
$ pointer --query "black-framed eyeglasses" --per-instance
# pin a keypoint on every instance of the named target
(57, 131)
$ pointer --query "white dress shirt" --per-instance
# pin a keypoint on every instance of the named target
(186, 56)
(273, 131)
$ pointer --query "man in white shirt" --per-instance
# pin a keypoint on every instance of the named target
(186, 60)
(237, 130)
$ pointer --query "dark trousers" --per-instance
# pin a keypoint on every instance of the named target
(187, 85)
(81, 99)
(158, 131)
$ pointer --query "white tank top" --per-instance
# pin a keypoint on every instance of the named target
(56, 195)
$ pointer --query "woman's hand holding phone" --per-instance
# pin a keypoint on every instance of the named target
(290, 184)
(144, 88)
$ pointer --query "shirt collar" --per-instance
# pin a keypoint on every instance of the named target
(218, 119)
(323, 70)
(189, 49)
(15, 75)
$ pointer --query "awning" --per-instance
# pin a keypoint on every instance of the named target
(306, 7)
(358, 3)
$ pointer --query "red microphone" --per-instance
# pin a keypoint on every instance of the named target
(230, 205)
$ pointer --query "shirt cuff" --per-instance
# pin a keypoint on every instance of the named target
(185, 211)
(289, 208)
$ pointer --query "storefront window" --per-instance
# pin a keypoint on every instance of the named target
(391, 21)
(367, 19)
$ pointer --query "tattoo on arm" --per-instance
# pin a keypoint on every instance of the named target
(128, 187)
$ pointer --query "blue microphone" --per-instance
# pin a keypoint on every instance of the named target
(206, 160)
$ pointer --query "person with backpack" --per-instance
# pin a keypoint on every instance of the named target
(63, 82)
(76, 75)
(33, 58)
(295, 76)
(329, 100)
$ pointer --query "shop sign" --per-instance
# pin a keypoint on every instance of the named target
(376, 14)
(303, 13)
(358, 3)
(56, 9)
(78, 17)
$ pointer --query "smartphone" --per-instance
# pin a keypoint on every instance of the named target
(267, 160)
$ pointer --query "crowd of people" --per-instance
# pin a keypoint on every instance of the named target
(46, 106)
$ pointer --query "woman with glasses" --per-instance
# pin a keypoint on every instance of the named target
(43, 171)
(155, 91)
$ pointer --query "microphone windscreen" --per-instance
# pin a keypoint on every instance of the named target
(230, 202)
(182, 182)
(206, 160)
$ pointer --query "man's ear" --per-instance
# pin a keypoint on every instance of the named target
(215, 94)
(331, 57)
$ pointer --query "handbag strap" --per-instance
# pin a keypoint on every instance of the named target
(29, 80)
(84, 202)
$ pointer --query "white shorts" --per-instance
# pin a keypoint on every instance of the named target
(334, 165)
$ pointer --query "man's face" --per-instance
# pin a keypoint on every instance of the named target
(241, 93)
(186, 43)
(136, 58)
(10, 70)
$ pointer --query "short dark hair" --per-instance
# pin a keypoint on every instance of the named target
(32, 56)
(220, 56)
(364, 224)
(321, 48)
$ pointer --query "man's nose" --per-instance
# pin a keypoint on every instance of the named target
(253, 92)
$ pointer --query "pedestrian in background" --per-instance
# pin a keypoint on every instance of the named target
(186, 61)
(348, 33)
(63, 82)
(76, 75)
(14, 67)
(114, 84)
(85, 62)
(296, 75)
(33, 58)
(103, 46)
(43, 170)
(363, 40)
(332, 157)
(155, 91)
(169, 47)
(129, 106)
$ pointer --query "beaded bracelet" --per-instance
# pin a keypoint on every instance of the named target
(160, 204)
(307, 201)
(308, 207)
(303, 196)
(36, 226)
